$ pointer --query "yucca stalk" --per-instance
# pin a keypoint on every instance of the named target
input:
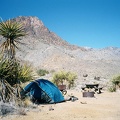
(12, 32)
(9, 93)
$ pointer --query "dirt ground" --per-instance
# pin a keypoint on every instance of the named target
(104, 106)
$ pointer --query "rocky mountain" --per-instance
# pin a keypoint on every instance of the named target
(36, 29)
(44, 49)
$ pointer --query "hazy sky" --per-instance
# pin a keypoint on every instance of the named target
(92, 23)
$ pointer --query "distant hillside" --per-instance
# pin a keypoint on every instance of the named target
(44, 49)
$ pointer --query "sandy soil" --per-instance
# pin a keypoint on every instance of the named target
(104, 106)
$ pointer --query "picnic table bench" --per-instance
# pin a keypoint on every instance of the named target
(95, 87)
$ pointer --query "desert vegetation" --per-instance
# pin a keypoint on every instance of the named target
(42, 72)
(63, 77)
(12, 73)
(115, 83)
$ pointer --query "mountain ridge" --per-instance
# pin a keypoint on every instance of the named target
(44, 49)
(36, 29)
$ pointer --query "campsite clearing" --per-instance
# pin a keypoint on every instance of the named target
(104, 106)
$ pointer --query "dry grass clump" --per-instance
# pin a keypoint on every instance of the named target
(11, 101)
(22, 111)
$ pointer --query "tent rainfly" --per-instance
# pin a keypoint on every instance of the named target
(43, 91)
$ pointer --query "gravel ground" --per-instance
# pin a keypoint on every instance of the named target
(104, 106)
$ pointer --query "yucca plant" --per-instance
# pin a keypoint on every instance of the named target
(7, 92)
(11, 32)
(71, 77)
(25, 73)
(14, 72)
(61, 77)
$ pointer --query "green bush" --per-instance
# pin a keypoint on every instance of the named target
(112, 88)
(71, 79)
(115, 83)
(25, 73)
(61, 77)
(42, 72)
(13, 72)
(116, 80)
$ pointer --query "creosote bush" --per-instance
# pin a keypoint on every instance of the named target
(42, 72)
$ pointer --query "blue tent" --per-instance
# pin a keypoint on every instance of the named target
(43, 91)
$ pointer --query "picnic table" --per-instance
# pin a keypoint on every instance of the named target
(94, 87)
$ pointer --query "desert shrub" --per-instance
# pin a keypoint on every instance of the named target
(42, 72)
(62, 76)
(71, 77)
(112, 88)
(25, 73)
(59, 77)
(115, 81)
(14, 73)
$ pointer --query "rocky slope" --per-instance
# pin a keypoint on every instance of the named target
(36, 29)
(44, 49)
